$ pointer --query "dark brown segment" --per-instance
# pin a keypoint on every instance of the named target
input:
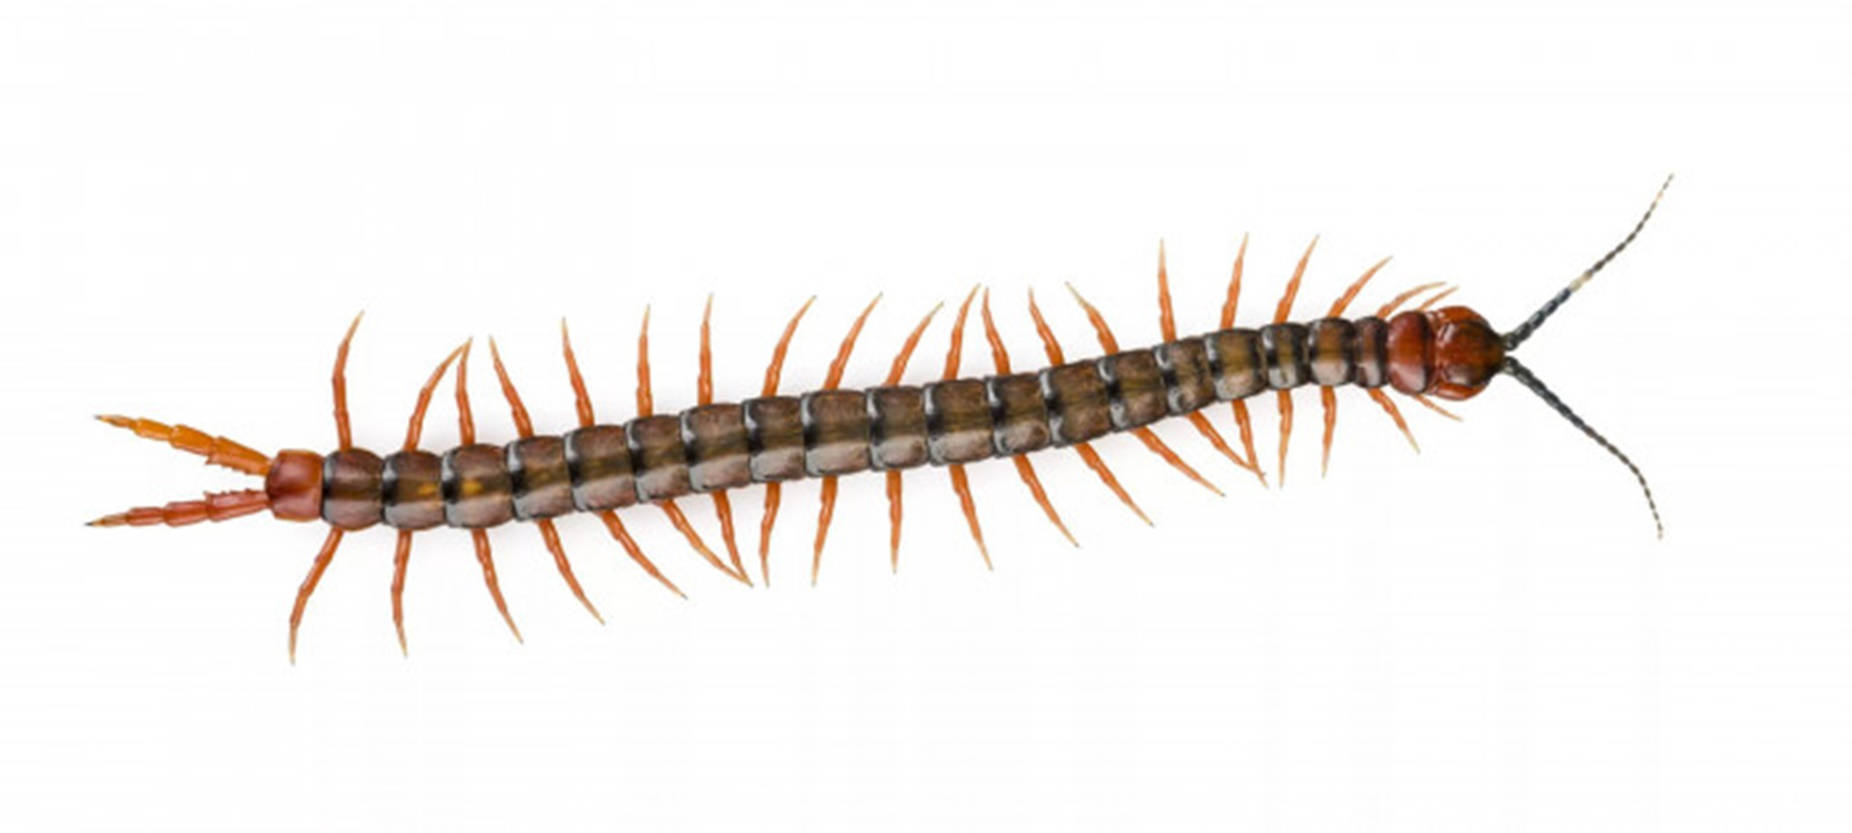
(897, 427)
(835, 432)
(350, 488)
(1188, 382)
(478, 491)
(660, 458)
(1136, 386)
(1329, 350)
(958, 421)
(717, 454)
(542, 483)
(1078, 407)
(775, 437)
(1234, 355)
(413, 484)
(598, 458)
(1020, 414)
(1370, 365)
(1282, 347)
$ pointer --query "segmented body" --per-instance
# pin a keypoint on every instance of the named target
(713, 448)
(827, 433)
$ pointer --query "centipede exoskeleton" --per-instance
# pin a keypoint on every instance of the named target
(709, 450)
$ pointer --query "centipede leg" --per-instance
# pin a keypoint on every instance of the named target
(894, 374)
(961, 485)
(582, 402)
(401, 560)
(1052, 347)
(215, 506)
(524, 427)
(1328, 397)
(1286, 430)
(466, 433)
(1436, 408)
(1110, 344)
(1244, 424)
(704, 394)
(320, 565)
(1167, 326)
(218, 451)
(1280, 314)
(769, 515)
(1000, 356)
(487, 560)
(1230, 304)
(893, 520)
(826, 509)
(1395, 414)
(1093, 461)
(645, 406)
(615, 526)
(342, 429)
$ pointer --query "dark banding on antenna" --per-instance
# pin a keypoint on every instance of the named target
(1521, 373)
(1530, 325)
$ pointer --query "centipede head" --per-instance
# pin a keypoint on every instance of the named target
(1451, 352)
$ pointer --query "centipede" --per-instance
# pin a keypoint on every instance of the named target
(712, 450)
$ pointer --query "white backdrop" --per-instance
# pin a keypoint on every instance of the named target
(195, 198)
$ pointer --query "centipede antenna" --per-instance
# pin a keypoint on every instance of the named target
(1523, 331)
(1521, 373)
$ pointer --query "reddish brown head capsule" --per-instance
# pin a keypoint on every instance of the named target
(294, 485)
(1451, 353)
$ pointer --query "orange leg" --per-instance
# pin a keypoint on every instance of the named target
(1395, 414)
(704, 394)
(550, 535)
(769, 515)
(466, 432)
(1157, 446)
(583, 403)
(402, 553)
(1436, 408)
(1024, 469)
(1326, 395)
(1167, 326)
(962, 487)
(1093, 461)
(826, 510)
(827, 497)
(483, 557)
(1229, 306)
(401, 559)
(1329, 398)
(1286, 430)
(1350, 292)
(960, 484)
(1052, 348)
(1396, 303)
(215, 507)
(218, 451)
(1429, 303)
(339, 380)
(645, 407)
(893, 520)
(617, 530)
(307, 589)
(1146, 435)
(894, 373)
(1245, 425)
(1280, 314)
